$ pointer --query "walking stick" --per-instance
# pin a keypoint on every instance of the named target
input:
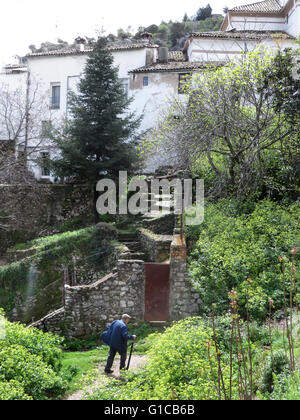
(131, 350)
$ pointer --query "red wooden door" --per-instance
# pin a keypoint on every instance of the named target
(157, 291)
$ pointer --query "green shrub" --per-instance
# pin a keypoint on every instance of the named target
(46, 346)
(179, 366)
(30, 364)
(230, 247)
(12, 390)
(37, 378)
(286, 388)
(275, 366)
(78, 344)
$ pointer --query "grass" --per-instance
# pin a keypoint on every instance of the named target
(85, 364)
(280, 343)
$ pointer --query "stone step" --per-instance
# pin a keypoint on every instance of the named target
(138, 256)
(17, 255)
(154, 215)
(133, 246)
(164, 205)
(127, 236)
(154, 195)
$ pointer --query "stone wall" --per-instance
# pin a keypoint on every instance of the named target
(163, 225)
(54, 323)
(31, 209)
(184, 300)
(156, 247)
(88, 309)
(43, 292)
(32, 286)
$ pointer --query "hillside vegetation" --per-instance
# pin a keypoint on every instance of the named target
(166, 34)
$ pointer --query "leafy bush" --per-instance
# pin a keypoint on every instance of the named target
(180, 366)
(77, 344)
(44, 345)
(12, 390)
(286, 388)
(37, 378)
(230, 247)
(275, 366)
(30, 364)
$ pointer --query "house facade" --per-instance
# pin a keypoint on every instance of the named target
(150, 74)
(272, 23)
(267, 15)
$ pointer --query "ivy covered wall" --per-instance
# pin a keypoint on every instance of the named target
(32, 286)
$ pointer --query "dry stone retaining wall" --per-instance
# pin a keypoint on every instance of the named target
(156, 247)
(31, 209)
(184, 300)
(88, 309)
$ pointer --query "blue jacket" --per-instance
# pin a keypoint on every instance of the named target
(117, 335)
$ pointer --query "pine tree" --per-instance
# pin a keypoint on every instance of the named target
(204, 13)
(98, 138)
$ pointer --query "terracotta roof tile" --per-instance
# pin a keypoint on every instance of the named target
(251, 35)
(266, 6)
(87, 50)
(176, 66)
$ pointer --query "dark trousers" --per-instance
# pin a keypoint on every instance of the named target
(111, 357)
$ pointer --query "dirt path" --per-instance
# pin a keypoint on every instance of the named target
(136, 363)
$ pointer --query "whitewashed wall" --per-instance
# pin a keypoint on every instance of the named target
(206, 49)
(258, 23)
(14, 80)
(293, 24)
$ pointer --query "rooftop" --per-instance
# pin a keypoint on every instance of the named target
(245, 35)
(88, 49)
(14, 68)
(266, 6)
(176, 66)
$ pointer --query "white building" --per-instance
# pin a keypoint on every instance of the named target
(267, 15)
(273, 23)
(150, 74)
(58, 72)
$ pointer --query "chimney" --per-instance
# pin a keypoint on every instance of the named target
(146, 37)
(80, 43)
(163, 55)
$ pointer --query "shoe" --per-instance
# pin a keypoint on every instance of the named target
(109, 371)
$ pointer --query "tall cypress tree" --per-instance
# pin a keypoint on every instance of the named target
(98, 138)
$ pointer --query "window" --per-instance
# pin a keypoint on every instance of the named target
(55, 96)
(45, 156)
(183, 79)
(146, 81)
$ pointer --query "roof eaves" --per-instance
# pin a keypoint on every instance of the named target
(244, 35)
(172, 68)
(265, 6)
(73, 51)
